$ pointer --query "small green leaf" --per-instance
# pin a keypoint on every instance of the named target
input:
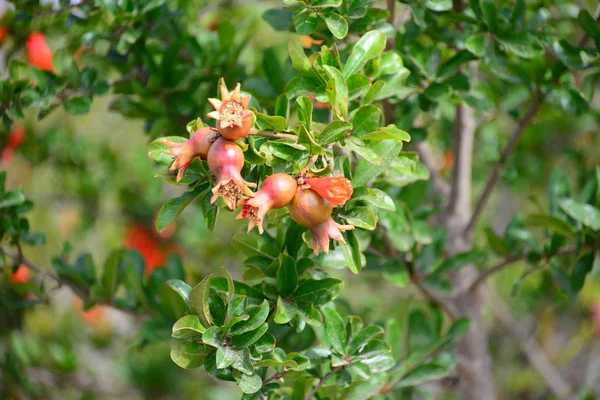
(351, 252)
(181, 288)
(318, 291)
(305, 110)
(366, 335)
(172, 208)
(582, 267)
(250, 384)
(257, 316)
(389, 132)
(365, 171)
(454, 263)
(524, 45)
(361, 217)
(366, 120)
(369, 46)
(199, 301)
(156, 149)
(255, 245)
(373, 92)
(273, 123)
(306, 21)
(459, 328)
(334, 329)
(188, 355)
(423, 373)
(477, 44)
(337, 92)
(334, 132)
(438, 92)
(187, 327)
(299, 60)
(249, 338)
(287, 276)
(284, 312)
(550, 222)
(336, 24)
(360, 148)
(439, 5)
(587, 214)
(78, 105)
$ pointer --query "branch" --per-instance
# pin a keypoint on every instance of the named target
(463, 134)
(585, 37)
(440, 186)
(507, 262)
(322, 381)
(510, 147)
(532, 350)
(276, 135)
(276, 376)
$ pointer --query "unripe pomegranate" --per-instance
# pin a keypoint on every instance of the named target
(337, 190)
(311, 210)
(39, 54)
(226, 160)
(234, 120)
(277, 191)
(185, 152)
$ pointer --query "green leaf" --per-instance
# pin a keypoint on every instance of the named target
(361, 217)
(279, 18)
(212, 337)
(249, 338)
(365, 171)
(360, 148)
(78, 105)
(587, 214)
(438, 92)
(255, 245)
(257, 316)
(187, 327)
(305, 110)
(284, 311)
(287, 276)
(375, 197)
(358, 85)
(351, 252)
(156, 149)
(172, 208)
(336, 24)
(366, 335)
(335, 329)
(423, 373)
(369, 46)
(334, 132)
(459, 328)
(318, 291)
(265, 344)
(439, 5)
(210, 212)
(325, 3)
(299, 60)
(524, 45)
(273, 123)
(199, 301)
(250, 384)
(12, 198)
(477, 44)
(389, 132)
(550, 222)
(181, 288)
(589, 25)
(188, 354)
(582, 267)
(337, 92)
(112, 273)
(306, 21)
(238, 359)
(366, 120)
(373, 92)
(306, 139)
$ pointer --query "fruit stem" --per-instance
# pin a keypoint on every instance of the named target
(276, 135)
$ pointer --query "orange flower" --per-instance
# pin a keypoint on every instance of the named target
(337, 190)
(143, 239)
(3, 33)
(16, 138)
(307, 41)
(94, 316)
(39, 54)
(21, 275)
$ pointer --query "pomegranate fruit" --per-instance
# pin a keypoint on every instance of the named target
(185, 152)
(312, 211)
(234, 120)
(276, 191)
(226, 160)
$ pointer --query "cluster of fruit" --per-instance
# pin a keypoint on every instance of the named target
(310, 198)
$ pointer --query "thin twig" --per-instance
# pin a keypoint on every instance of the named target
(80, 292)
(309, 164)
(275, 376)
(276, 135)
(322, 381)
(513, 259)
(510, 147)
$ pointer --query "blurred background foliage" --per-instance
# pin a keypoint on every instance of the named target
(94, 186)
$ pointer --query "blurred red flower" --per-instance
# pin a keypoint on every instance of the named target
(21, 275)
(39, 54)
(15, 139)
(146, 242)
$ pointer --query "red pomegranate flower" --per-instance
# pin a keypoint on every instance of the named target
(234, 120)
(226, 160)
(39, 54)
(21, 275)
(3, 33)
(311, 210)
(337, 190)
(15, 140)
(277, 191)
(185, 152)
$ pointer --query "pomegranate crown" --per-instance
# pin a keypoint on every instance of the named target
(232, 109)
